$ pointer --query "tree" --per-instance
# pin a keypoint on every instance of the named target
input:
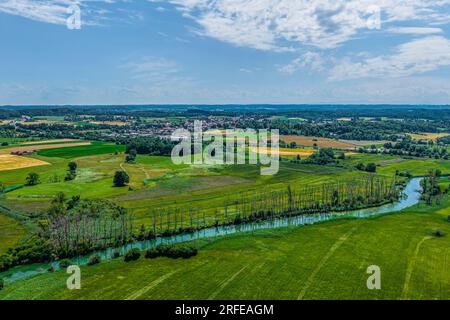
(121, 178)
(73, 166)
(32, 179)
(360, 166)
(72, 172)
(131, 157)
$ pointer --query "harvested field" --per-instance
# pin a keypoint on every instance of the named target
(363, 143)
(48, 141)
(320, 142)
(30, 123)
(10, 162)
(111, 123)
(286, 151)
(42, 147)
(428, 136)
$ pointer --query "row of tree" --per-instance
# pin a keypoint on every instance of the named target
(364, 191)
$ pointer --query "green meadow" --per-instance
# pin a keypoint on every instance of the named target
(82, 151)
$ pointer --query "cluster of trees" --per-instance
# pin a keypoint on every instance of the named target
(370, 167)
(151, 146)
(415, 149)
(77, 226)
(323, 157)
(32, 249)
(431, 190)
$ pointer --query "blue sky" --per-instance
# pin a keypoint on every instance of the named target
(224, 51)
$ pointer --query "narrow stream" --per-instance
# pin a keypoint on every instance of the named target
(411, 196)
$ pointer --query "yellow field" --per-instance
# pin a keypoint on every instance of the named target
(42, 147)
(320, 142)
(111, 123)
(285, 151)
(428, 136)
(363, 143)
(10, 162)
(30, 123)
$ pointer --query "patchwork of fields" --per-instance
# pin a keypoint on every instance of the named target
(301, 262)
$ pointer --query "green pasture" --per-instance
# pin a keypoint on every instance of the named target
(82, 151)
(10, 232)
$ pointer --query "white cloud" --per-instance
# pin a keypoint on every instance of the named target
(151, 68)
(55, 11)
(414, 57)
(415, 30)
(313, 60)
(283, 24)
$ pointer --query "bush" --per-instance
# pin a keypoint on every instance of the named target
(151, 253)
(448, 218)
(438, 233)
(64, 263)
(2, 284)
(94, 260)
(171, 251)
(116, 253)
(132, 255)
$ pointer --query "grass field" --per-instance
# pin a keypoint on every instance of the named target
(10, 232)
(323, 261)
(82, 151)
(10, 162)
(41, 147)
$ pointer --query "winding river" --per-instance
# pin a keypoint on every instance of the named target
(410, 196)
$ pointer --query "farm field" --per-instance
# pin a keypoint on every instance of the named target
(323, 261)
(81, 150)
(428, 136)
(320, 142)
(34, 147)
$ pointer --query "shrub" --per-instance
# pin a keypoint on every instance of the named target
(94, 260)
(172, 251)
(448, 218)
(116, 253)
(64, 263)
(438, 233)
(151, 253)
(132, 255)
(2, 284)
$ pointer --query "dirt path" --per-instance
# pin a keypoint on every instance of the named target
(152, 284)
(225, 283)
(324, 260)
(411, 266)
